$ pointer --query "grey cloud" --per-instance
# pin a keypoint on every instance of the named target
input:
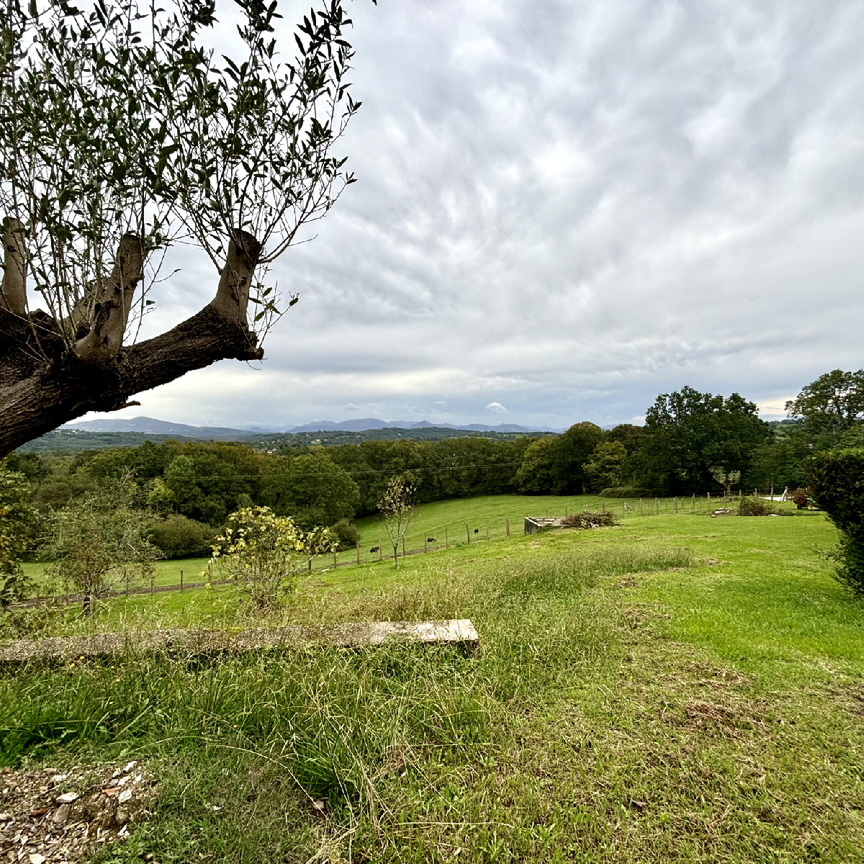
(571, 208)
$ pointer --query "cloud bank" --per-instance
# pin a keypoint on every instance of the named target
(569, 208)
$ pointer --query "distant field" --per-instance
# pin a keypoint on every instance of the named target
(454, 523)
(166, 572)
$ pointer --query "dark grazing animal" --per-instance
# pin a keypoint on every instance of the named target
(476, 530)
(430, 540)
(374, 549)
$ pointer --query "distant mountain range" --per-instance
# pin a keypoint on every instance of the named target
(151, 426)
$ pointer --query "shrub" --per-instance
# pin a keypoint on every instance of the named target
(837, 480)
(264, 553)
(347, 534)
(756, 507)
(627, 492)
(180, 537)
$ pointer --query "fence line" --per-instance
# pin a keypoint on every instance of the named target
(486, 531)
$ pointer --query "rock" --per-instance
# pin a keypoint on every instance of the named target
(36, 858)
(67, 797)
(62, 814)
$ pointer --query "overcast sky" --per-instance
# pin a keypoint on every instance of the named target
(564, 209)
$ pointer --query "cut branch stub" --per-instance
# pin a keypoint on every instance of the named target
(13, 293)
(232, 296)
(113, 302)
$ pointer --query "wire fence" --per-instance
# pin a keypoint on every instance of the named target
(449, 535)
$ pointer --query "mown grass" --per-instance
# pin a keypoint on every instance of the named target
(675, 689)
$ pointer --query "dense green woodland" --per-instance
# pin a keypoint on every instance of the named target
(193, 486)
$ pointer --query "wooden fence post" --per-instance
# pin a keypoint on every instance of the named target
(425, 542)
(693, 508)
(487, 529)
(676, 503)
(656, 506)
(446, 539)
(181, 580)
(468, 533)
(358, 551)
(403, 545)
(507, 521)
(335, 564)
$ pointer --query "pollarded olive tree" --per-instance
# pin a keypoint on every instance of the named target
(121, 134)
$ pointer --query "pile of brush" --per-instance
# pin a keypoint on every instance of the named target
(589, 520)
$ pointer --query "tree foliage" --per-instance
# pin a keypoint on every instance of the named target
(123, 134)
(605, 468)
(726, 478)
(18, 521)
(687, 433)
(398, 508)
(537, 473)
(99, 543)
(831, 404)
(836, 479)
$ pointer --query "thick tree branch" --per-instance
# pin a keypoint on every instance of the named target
(113, 302)
(232, 296)
(13, 291)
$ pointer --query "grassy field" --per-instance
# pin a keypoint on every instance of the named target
(450, 524)
(678, 688)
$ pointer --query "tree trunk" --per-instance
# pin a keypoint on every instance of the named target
(45, 381)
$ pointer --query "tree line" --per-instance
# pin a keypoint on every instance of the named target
(689, 440)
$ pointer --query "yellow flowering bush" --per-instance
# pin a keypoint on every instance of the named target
(265, 553)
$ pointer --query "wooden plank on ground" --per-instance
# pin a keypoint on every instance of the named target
(49, 649)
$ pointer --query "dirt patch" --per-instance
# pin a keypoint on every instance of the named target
(712, 676)
(52, 817)
(701, 714)
(639, 616)
(850, 697)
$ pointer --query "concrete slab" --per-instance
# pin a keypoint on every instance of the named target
(53, 649)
